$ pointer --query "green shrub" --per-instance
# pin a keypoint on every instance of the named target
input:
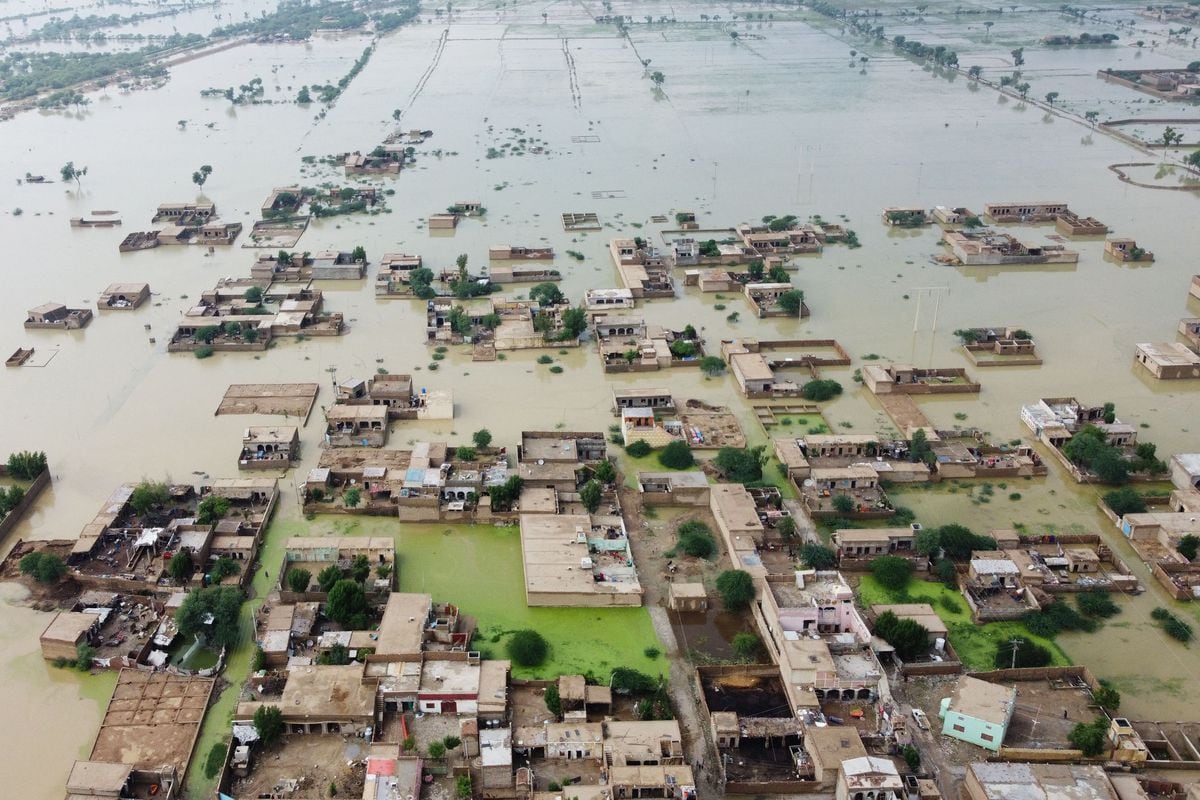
(638, 449)
(736, 588)
(821, 390)
(676, 455)
(818, 556)
(42, 567)
(696, 540)
(527, 648)
(1097, 603)
(1029, 654)
(892, 572)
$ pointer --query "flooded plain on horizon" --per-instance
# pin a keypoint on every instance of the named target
(774, 123)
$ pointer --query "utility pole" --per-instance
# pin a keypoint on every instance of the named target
(937, 292)
(1016, 644)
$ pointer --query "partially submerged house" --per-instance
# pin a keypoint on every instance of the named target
(905, 217)
(123, 296)
(905, 379)
(1025, 212)
(984, 247)
(994, 587)
(578, 560)
(999, 346)
(1167, 360)
(395, 393)
(1126, 250)
(57, 316)
(606, 301)
(645, 270)
(185, 213)
(799, 238)
(508, 252)
(269, 447)
(394, 278)
(356, 425)
(1071, 224)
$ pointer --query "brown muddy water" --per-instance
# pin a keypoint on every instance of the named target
(777, 123)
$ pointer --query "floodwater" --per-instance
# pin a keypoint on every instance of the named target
(776, 123)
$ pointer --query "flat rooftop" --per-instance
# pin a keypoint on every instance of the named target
(982, 700)
(152, 720)
(558, 559)
(327, 691)
(402, 628)
(1003, 781)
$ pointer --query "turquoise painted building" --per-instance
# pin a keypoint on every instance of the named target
(978, 712)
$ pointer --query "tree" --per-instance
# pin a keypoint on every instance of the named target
(713, 365)
(42, 567)
(1188, 545)
(786, 527)
(462, 784)
(437, 750)
(464, 453)
(360, 568)
(919, 449)
(297, 580)
(574, 322)
(696, 540)
(892, 572)
(909, 638)
(347, 604)
(605, 472)
(253, 295)
(26, 465)
(843, 504)
(70, 172)
(336, 655)
(740, 465)
(507, 493)
(1023, 88)
(657, 77)
(821, 390)
(1051, 97)
(736, 588)
(746, 646)
(547, 294)
(792, 302)
(200, 176)
(303, 97)
(959, 542)
(452, 742)
(482, 438)
(1125, 500)
(352, 497)
(553, 701)
(1089, 737)
(268, 722)
(180, 567)
(912, 757)
(1171, 137)
(975, 72)
(676, 455)
(1107, 698)
(1193, 159)
(818, 556)
(223, 604)
(211, 509)
(1018, 56)
(527, 648)
(590, 495)
(1092, 117)
(329, 576)
(148, 495)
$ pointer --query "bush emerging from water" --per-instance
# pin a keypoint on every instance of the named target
(528, 648)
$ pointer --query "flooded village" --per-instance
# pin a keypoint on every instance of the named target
(599, 401)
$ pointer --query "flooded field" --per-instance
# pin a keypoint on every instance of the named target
(777, 121)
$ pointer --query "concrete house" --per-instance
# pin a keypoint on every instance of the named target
(57, 316)
(1167, 360)
(1126, 250)
(1025, 212)
(123, 296)
(656, 398)
(986, 247)
(978, 712)
(394, 278)
(269, 447)
(869, 778)
(605, 301)
(356, 426)
(66, 631)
